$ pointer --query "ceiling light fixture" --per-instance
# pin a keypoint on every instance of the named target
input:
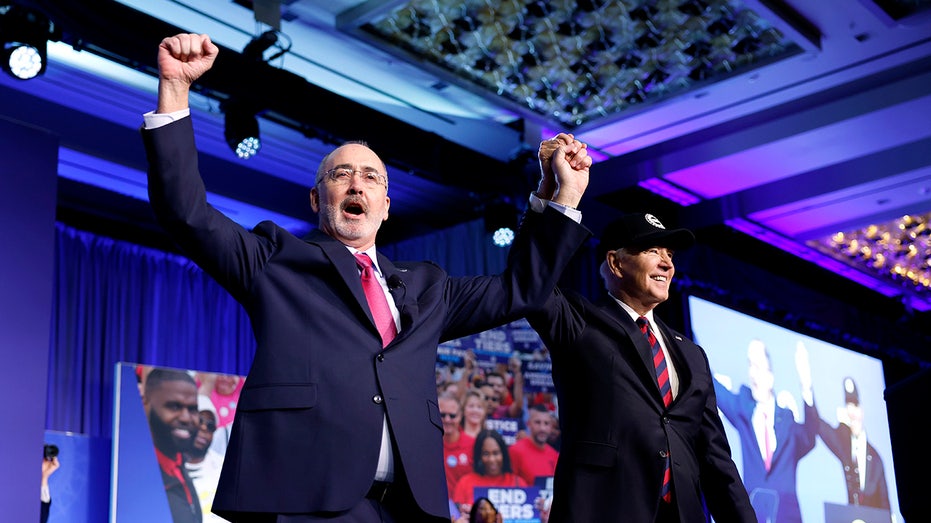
(241, 130)
(256, 48)
(897, 251)
(25, 34)
(501, 222)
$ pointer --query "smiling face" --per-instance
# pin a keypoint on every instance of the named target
(452, 416)
(207, 425)
(492, 457)
(353, 211)
(760, 371)
(492, 400)
(497, 382)
(640, 279)
(541, 427)
(474, 410)
(855, 417)
(173, 417)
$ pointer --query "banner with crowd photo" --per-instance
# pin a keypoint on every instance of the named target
(189, 414)
(465, 364)
(495, 350)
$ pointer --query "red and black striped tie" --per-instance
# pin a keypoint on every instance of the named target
(665, 389)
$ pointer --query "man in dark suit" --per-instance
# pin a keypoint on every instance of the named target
(338, 419)
(640, 442)
(863, 468)
(772, 441)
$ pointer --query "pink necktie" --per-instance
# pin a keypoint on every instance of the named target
(768, 442)
(378, 302)
(665, 389)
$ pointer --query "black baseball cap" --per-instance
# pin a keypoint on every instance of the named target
(850, 392)
(639, 230)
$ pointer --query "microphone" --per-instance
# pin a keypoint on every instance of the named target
(394, 281)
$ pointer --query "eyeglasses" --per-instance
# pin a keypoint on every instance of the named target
(208, 424)
(492, 398)
(343, 176)
(450, 415)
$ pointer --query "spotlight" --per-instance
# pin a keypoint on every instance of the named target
(25, 34)
(501, 222)
(256, 48)
(241, 130)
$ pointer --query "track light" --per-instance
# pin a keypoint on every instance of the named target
(255, 49)
(25, 34)
(241, 130)
(501, 222)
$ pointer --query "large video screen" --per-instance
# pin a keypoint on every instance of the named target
(798, 467)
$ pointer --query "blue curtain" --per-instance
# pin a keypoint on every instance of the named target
(116, 301)
(120, 302)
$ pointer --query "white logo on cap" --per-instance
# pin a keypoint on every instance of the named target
(654, 221)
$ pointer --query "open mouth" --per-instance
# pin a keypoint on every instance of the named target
(659, 278)
(354, 208)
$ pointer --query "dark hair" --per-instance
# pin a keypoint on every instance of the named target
(496, 374)
(473, 514)
(477, 451)
(158, 376)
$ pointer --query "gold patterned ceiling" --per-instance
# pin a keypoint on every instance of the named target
(574, 62)
(897, 251)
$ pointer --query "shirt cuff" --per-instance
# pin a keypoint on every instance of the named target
(45, 495)
(154, 120)
(537, 204)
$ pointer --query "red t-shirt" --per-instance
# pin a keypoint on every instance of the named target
(458, 459)
(464, 494)
(529, 462)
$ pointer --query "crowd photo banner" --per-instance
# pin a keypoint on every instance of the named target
(171, 427)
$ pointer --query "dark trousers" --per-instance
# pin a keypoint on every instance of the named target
(394, 505)
(668, 513)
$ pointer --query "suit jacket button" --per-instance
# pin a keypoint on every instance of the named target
(666, 420)
(380, 357)
(377, 399)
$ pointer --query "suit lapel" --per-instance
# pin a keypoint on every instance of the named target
(783, 422)
(677, 353)
(345, 265)
(622, 321)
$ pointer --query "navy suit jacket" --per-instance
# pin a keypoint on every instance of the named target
(616, 430)
(875, 491)
(308, 425)
(773, 491)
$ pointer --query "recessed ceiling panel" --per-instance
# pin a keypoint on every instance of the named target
(575, 62)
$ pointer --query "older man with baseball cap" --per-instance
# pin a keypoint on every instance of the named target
(642, 439)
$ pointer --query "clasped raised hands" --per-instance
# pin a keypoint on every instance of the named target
(564, 165)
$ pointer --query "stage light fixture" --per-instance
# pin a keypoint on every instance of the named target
(25, 34)
(501, 222)
(241, 130)
(256, 48)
